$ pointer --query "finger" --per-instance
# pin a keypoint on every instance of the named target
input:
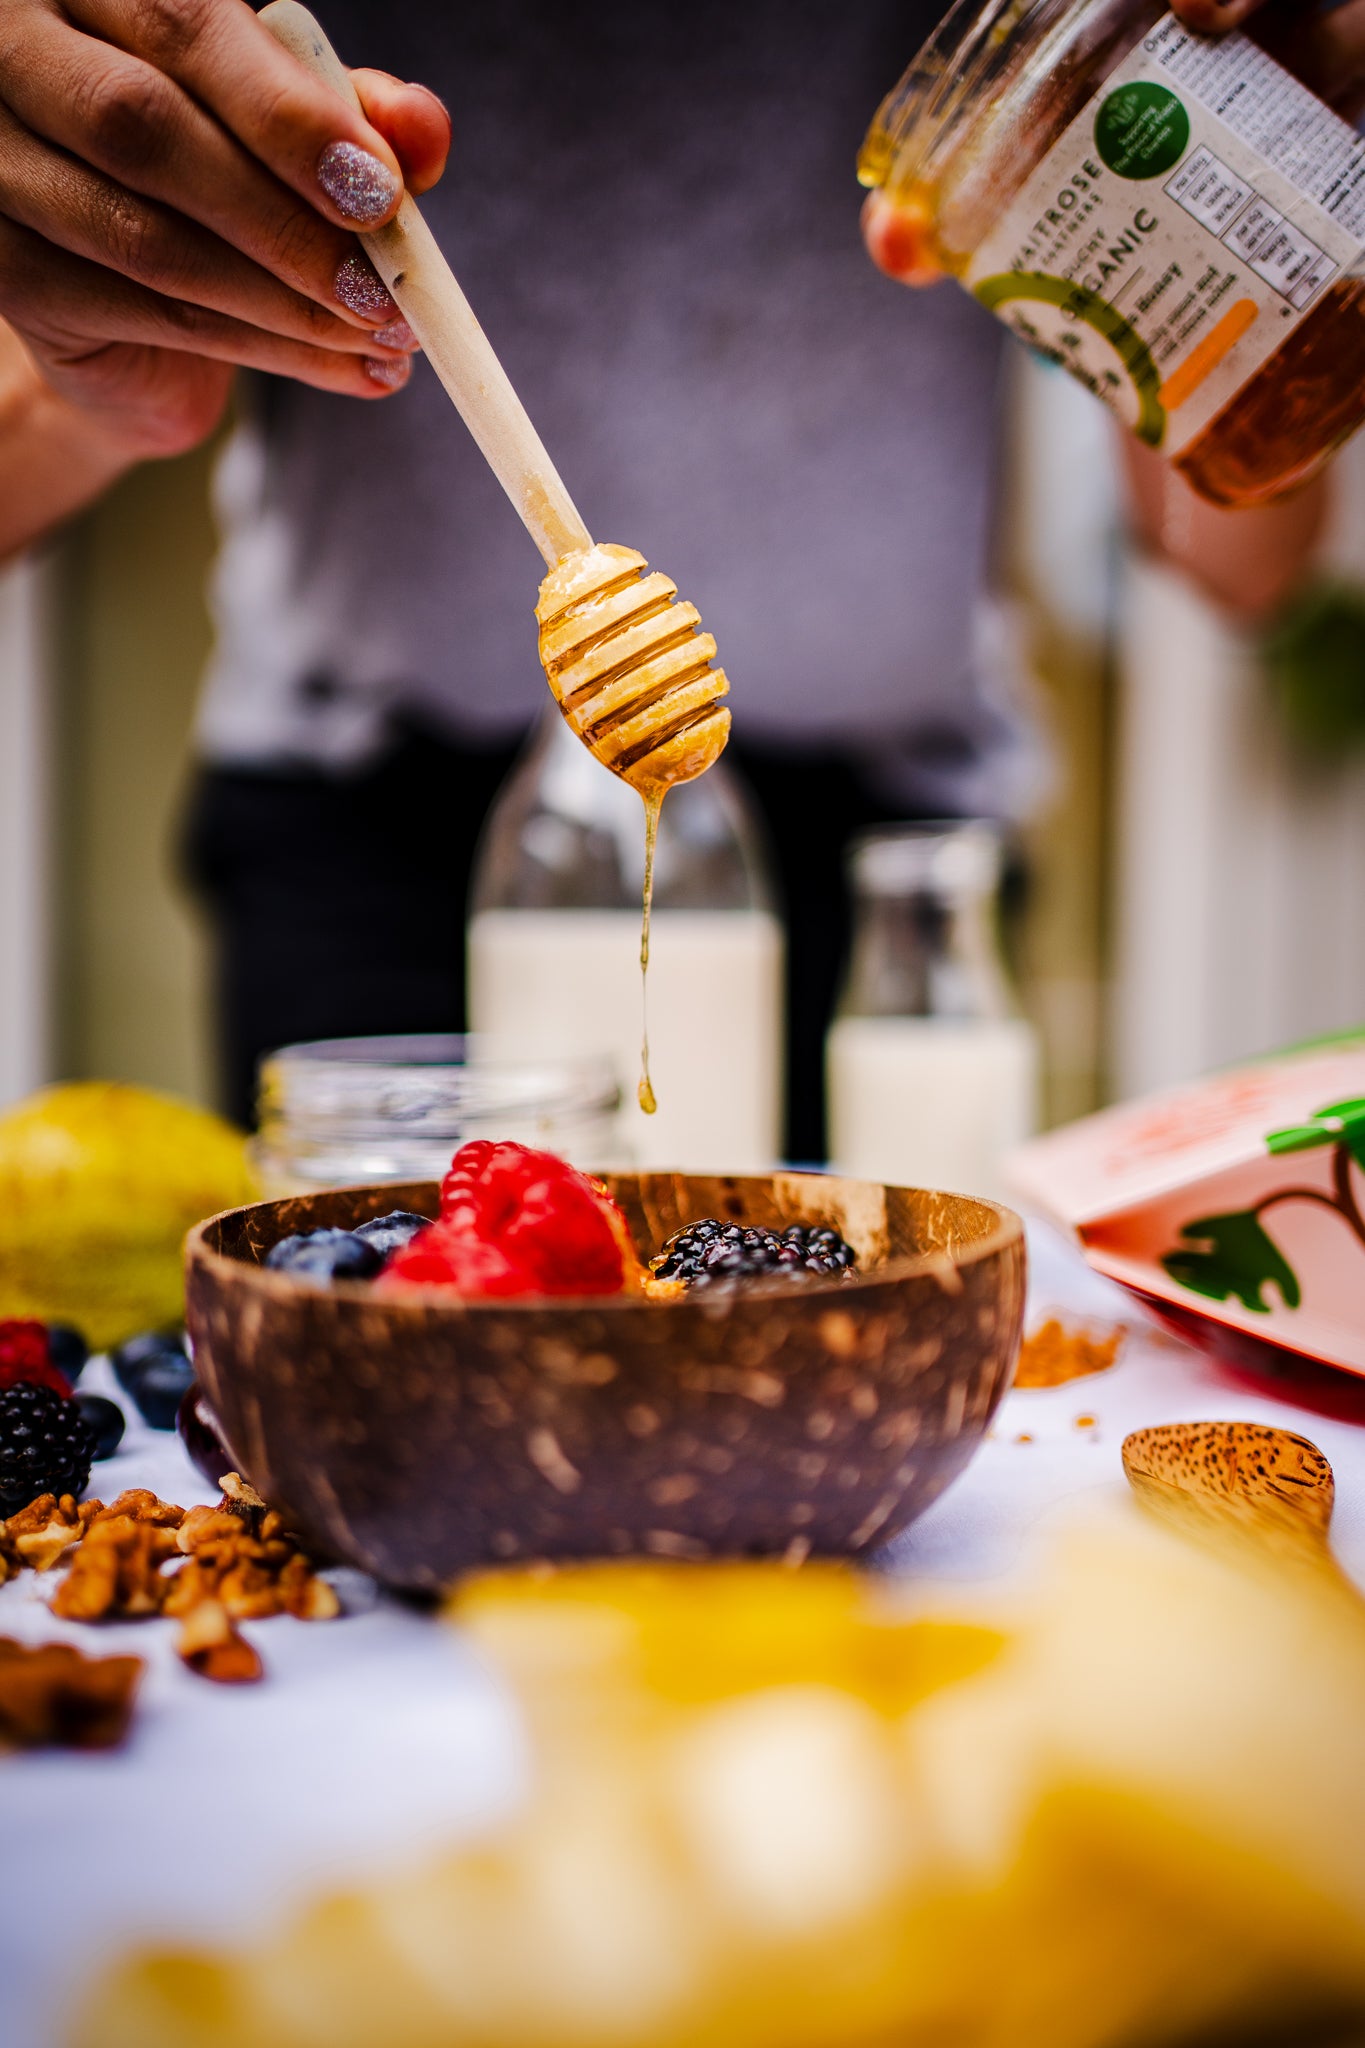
(65, 307)
(80, 210)
(292, 122)
(142, 130)
(900, 240)
(1215, 15)
(152, 401)
(1328, 51)
(414, 121)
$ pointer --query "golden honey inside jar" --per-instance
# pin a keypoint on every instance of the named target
(1172, 217)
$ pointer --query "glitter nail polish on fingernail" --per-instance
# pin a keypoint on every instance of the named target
(358, 184)
(396, 335)
(361, 290)
(393, 373)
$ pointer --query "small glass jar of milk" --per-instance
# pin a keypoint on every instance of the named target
(554, 950)
(932, 1074)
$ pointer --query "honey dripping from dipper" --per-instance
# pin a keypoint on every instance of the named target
(630, 668)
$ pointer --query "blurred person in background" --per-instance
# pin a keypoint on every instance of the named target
(652, 212)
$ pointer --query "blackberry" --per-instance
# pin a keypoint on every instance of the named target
(45, 1446)
(325, 1255)
(710, 1251)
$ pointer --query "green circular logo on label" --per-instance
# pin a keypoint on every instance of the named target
(1083, 333)
(1142, 131)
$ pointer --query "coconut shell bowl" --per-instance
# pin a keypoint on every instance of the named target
(417, 1436)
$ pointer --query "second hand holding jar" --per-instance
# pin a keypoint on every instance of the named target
(932, 1075)
(1172, 217)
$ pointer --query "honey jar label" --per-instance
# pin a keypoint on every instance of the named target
(1179, 231)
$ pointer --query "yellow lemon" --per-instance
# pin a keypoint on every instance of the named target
(99, 1182)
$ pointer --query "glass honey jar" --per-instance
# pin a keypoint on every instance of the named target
(1173, 217)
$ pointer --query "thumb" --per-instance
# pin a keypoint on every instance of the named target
(900, 240)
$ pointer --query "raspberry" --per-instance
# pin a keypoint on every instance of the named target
(516, 1221)
(45, 1446)
(26, 1359)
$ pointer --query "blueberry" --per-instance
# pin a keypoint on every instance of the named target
(104, 1420)
(131, 1360)
(160, 1387)
(388, 1234)
(325, 1255)
(68, 1351)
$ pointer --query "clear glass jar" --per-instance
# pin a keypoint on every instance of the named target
(932, 1074)
(554, 948)
(1170, 216)
(341, 1111)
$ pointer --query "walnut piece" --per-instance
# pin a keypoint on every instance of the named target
(204, 1525)
(116, 1573)
(236, 1562)
(252, 1567)
(53, 1695)
(140, 1504)
(43, 1532)
(211, 1646)
(241, 1499)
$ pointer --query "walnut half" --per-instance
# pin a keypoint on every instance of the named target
(53, 1695)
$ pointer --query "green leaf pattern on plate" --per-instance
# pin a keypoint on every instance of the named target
(1233, 1256)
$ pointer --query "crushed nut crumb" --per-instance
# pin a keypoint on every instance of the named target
(1052, 1354)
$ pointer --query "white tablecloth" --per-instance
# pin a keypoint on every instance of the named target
(376, 1737)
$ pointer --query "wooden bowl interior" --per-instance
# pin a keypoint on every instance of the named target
(890, 1229)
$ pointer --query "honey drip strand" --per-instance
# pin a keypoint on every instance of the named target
(644, 1093)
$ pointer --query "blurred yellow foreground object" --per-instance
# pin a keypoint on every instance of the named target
(769, 1813)
(99, 1182)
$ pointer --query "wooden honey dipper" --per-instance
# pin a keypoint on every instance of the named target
(623, 658)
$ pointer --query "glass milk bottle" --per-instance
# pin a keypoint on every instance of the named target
(554, 950)
(932, 1075)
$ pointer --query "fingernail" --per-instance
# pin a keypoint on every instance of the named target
(396, 335)
(416, 85)
(358, 184)
(393, 372)
(361, 289)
